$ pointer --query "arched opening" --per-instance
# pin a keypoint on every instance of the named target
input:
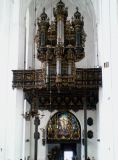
(64, 136)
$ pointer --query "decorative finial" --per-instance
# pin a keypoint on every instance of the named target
(44, 10)
(77, 9)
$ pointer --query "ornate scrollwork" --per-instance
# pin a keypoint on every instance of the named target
(60, 37)
(31, 79)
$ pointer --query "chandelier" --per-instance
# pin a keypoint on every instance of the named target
(60, 44)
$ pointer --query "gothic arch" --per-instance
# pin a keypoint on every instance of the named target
(63, 126)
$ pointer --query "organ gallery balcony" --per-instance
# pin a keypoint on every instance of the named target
(59, 84)
(68, 95)
(31, 79)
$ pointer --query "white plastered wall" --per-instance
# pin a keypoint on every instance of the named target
(107, 108)
(11, 101)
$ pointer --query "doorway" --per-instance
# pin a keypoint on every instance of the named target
(64, 136)
(65, 151)
(68, 155)
(68, 151)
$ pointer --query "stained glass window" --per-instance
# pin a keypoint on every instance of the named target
(63, 126)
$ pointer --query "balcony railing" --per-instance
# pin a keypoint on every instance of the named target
(84, 78)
